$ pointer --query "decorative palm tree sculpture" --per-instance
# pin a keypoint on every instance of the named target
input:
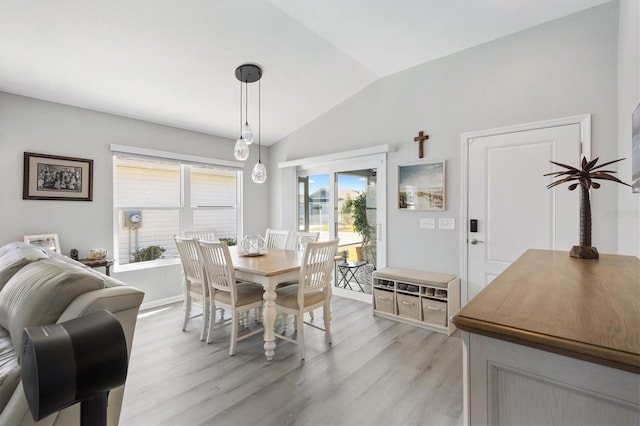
(585, 179)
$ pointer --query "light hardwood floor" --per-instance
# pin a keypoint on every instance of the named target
(376, 372)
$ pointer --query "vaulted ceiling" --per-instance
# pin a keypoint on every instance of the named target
(173, 61)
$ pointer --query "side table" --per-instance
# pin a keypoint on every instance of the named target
(98, 263)
(348, 273)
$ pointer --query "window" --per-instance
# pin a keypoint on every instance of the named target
(156, 198)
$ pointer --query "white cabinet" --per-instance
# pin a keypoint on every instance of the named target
(554, 340)
(418, 298)
(508, 384)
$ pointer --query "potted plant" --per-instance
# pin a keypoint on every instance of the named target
(360, 222)
(148, 253)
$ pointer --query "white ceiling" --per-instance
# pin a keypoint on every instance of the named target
(173, 61)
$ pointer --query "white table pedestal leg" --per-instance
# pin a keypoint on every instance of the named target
(269, 320)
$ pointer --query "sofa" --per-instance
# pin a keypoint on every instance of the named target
(38, 287)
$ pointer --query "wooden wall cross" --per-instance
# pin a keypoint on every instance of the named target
(420, 139)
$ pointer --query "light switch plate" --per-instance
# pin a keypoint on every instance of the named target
(447, 223)
(427, 223)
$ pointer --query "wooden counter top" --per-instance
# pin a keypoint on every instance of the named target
(583, 308)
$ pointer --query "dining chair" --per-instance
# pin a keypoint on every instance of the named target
(312, 291)
(302, 238)
(204, 235)
(193, 284)
(276, 238)
(225, 292)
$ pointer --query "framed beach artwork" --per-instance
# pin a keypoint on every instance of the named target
(52, 177)
(421, 186)
(635, 150)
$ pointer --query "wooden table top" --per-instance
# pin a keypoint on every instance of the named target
(274, 262)
(583, 308)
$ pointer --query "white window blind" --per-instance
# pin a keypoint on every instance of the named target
(147, 183)
(172, 196)
(213, 188)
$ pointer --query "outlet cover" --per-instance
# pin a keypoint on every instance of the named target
(447, 223)
(427, 223)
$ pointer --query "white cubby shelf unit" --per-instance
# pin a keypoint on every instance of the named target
(423, 299)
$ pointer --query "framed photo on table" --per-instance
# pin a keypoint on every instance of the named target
(421, 186)
(52, 177)
(49, 241)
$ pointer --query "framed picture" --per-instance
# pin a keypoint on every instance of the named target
(51, 177)
(421, 187)
(49, 241)
(635, 150)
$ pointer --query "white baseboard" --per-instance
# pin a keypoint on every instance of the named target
(362, 297)
(349, 294)
(161, 302)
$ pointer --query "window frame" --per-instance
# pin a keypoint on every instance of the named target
(185, 196)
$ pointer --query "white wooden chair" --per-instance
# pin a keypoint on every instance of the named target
(226, 292)
(276, 238)
(312, 291)
(194, 284)
(302, 238)
(203, 235)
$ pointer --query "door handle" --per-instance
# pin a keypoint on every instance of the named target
(474, 241)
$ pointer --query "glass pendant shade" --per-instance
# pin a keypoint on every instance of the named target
(247, 134)
(259, 173)
(241, 150)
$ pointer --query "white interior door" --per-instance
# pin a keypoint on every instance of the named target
(508, 198)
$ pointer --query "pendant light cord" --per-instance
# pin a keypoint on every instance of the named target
(259, 118)
(240, 109)
(246, 103)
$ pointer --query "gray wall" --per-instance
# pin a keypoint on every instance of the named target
(628, 211)
(36, 126)
(559, 69)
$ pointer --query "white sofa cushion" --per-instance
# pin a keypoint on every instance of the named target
(39, 292)
(14, 256)
(9, 368)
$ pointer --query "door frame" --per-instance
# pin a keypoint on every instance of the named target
(346, 163)
(583, 120)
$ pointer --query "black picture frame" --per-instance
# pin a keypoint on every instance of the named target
(53, 177)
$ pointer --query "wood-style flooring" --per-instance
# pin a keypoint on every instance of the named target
(376, 372)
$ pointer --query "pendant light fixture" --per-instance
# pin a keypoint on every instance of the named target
(250, 73)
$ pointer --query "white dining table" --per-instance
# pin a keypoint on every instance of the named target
(270, 269)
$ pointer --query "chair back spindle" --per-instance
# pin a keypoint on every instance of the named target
(218, 266)
(317, 265)
(276, 238)
(188, 250)
(302, 238)
(202, 235)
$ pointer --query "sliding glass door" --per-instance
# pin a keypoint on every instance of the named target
(344, 202)
(313, 205)
(355, 210)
